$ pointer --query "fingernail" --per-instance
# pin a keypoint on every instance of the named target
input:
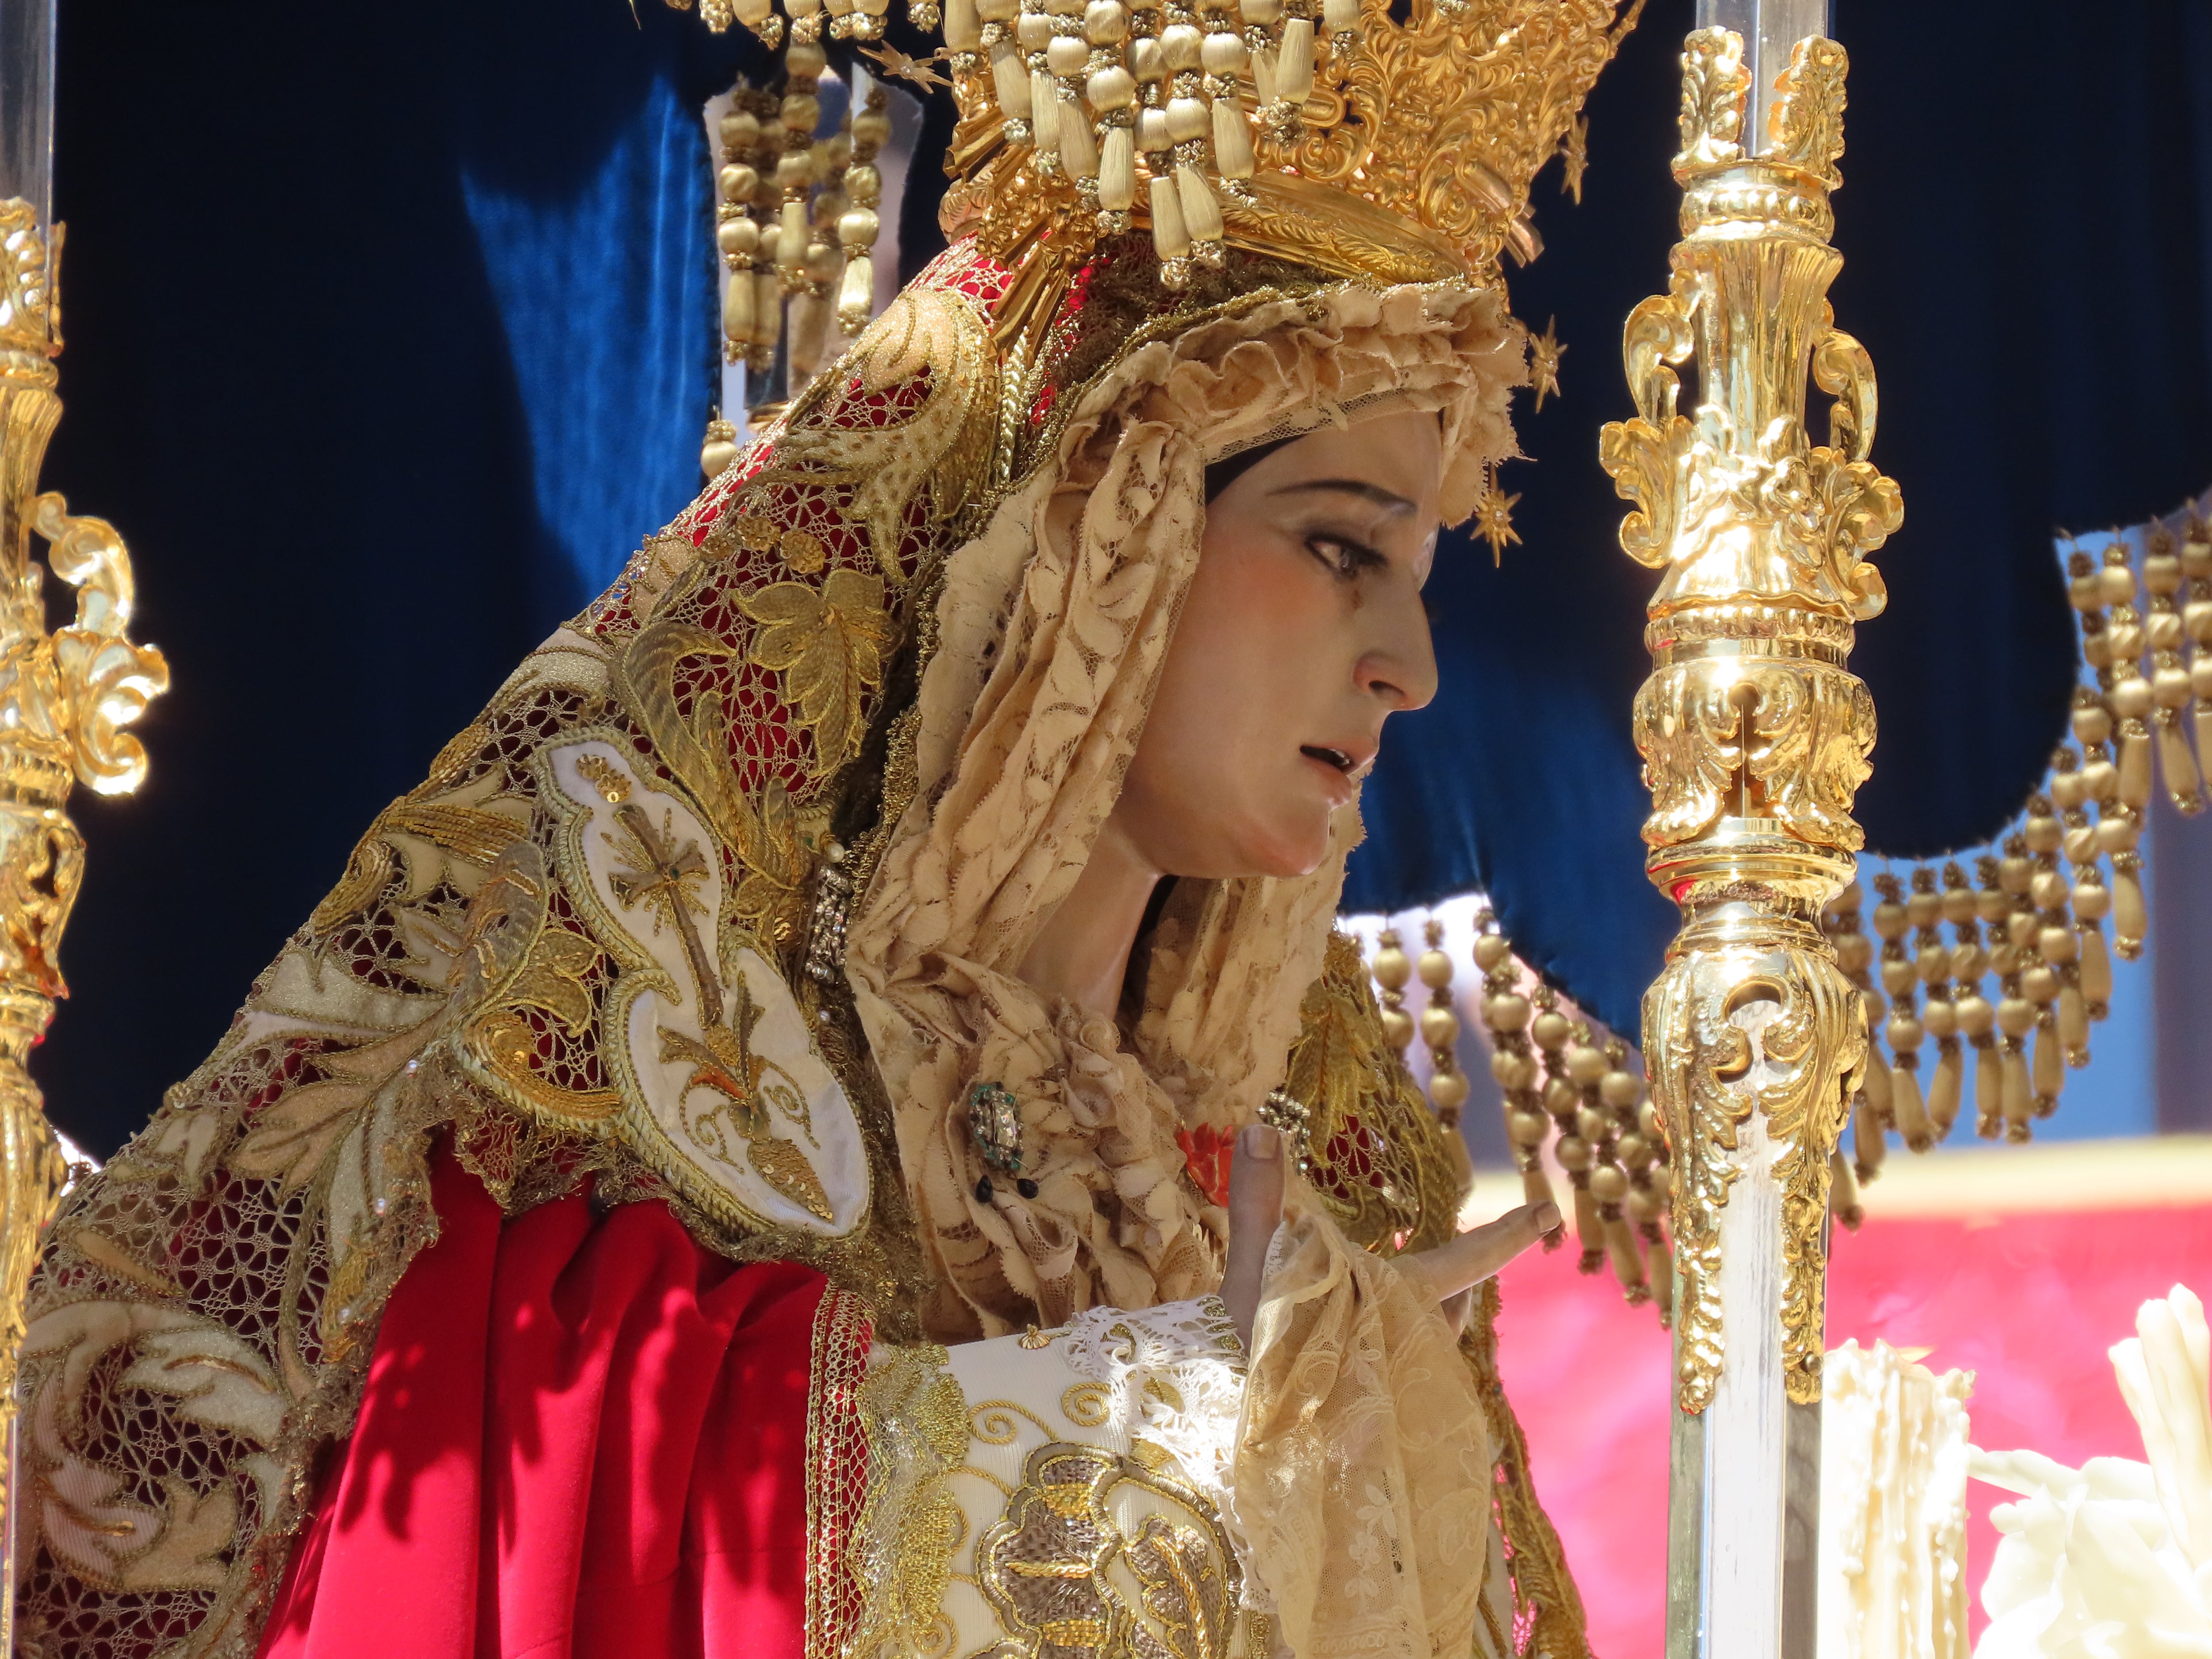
(1547, 1216)
(1259, 1141)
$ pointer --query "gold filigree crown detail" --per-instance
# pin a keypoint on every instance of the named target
(1323, 131)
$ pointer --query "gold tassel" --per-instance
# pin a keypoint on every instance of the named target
(1201, 214)
(2050, 1073)
(1627, 1265)
(856, 291)
(1294, 64)
(2019, 1098)
(1910, 1113)
(2183, 785)
(2135, 764)
(1877, 1085)
(1663, 1274)
(1945, 1089)
(1844, 1192)
(1233, 139)
(2130, 920)
(737, 309)
(1869, 1143)
(1535, 1185)
(1589, 1230)
(1117, 170)
(1170, 241)
(1989, 1091)
(768, 308)
(2073, 1012)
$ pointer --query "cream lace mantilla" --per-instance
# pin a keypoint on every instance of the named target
(1054, 624)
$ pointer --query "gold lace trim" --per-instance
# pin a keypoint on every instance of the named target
(1548, 1617)
(837, 1470)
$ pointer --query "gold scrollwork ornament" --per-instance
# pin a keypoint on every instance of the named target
(65, 698)
(1754, 734)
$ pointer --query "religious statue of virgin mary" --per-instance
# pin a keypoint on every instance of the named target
(833, 1121)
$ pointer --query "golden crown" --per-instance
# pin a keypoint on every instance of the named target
(1326, 132)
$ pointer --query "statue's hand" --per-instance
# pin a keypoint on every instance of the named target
(1453, 1270)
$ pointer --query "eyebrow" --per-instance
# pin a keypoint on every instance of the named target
(1388, 500)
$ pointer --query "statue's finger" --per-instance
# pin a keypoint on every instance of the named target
(1255, 1208)
(1474, 1255)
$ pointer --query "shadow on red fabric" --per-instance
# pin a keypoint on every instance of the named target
(581, 1435)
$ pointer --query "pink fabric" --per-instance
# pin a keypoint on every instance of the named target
(2028, 1303)
(583, 1436)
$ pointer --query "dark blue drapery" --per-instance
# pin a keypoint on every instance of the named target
(392, 330)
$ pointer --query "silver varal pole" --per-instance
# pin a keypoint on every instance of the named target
(1755, 738)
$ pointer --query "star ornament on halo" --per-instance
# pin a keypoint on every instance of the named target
(1574, 159)
(1493, 518)
(1544, 354)
(916, 69)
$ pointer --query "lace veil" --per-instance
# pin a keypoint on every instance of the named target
(1054, 624)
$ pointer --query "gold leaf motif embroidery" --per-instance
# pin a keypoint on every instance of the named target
(829, 644)
(748, 1084)
(419, 835)
(290, 1141)
(553, 978)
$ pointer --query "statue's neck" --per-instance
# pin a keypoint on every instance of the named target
(1082, 952)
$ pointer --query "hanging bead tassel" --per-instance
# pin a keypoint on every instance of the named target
(1439, 1027)
(2130, 918)
(1505, 1014)
(2169, 677)
(1117, 175)
(1663, 1274)
(1550, 1031)
(1010, 79)
(1632, 1215)
(859, 226)
(1293, 75)
(1340, 18)
(1599, 1127)
(1079, 147)
(1201, 216)
(1903, 1029)
(1393, 970)
(1923, 910)
(1844, 1192)
(2197, 623)
(1170, 241)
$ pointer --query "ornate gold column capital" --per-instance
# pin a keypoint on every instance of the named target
(1754, 734)
(65, 697)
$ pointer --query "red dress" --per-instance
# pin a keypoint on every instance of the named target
(545, 1462)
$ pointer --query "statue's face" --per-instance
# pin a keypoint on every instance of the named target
(1303, 632)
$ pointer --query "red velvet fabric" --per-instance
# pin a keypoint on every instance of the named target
(581, 1435)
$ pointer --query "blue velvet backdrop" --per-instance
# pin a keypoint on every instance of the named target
(392, 330)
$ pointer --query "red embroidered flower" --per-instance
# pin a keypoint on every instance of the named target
(1207, 1150)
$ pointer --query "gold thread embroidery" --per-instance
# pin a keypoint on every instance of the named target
(1043, 1565)
(916, 1423)
(837, 1470)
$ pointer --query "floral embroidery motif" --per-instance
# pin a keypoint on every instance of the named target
(1045, 1565)
(829, 643)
